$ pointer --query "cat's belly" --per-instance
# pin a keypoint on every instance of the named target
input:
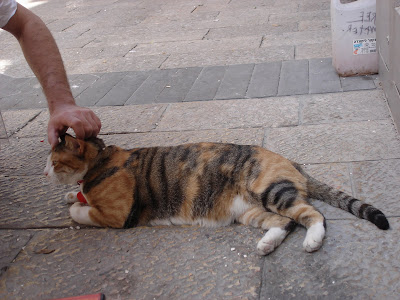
(199, 221)
(237, 208)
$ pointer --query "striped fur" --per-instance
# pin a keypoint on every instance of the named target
(208, 184)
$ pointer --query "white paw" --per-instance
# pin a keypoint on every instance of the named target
(74, 209)
(80, 213)
(71, 197)
(265, 247)
(314, 237)
(272, 239)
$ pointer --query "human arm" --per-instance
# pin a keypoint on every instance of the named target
(44, 58)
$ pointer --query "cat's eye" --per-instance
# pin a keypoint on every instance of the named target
(54, 163)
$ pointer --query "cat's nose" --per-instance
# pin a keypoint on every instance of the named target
(45, 173)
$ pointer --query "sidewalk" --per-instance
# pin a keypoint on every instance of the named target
(170, 72)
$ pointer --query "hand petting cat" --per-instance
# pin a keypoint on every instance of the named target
(82, 120)
(44, 58)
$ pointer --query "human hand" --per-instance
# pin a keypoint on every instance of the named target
(82, 120)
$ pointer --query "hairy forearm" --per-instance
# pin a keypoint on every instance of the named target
(45, 61)
(44, 58)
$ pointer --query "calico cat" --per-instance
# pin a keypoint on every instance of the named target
(208, 184)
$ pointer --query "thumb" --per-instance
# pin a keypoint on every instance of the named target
(52, 137)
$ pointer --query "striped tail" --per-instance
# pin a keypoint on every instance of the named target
(321, 191)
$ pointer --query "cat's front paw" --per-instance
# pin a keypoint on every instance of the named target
(71, 197)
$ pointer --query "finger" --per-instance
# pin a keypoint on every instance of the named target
(94, 125)
(52, 137)
(78, 126)
(98, 122)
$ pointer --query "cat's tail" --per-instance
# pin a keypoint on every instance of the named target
(321, 191)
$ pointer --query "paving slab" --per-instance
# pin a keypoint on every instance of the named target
(230, 114)
(299, 16)
(251, 136)
(24, 156)
(308, 51)
(338, 176)
(164, 86)
(11, 243)
(32, 202)
(82, 82)
(114, 119)
(258, 15)
(365, 82)
(312, 6)
(27, 95)
(340, 142)
(148, 36)
(36, 128)
(131, 118)
(323, 77)
(356, 261)
(198, 45)
(141, 263)
(78, 54)
(14, 120)
(178, 85)
(313, 25)
(3, 131)
(344, 107)
(377, 182)
(264, 80)
(116, 64)
(294, 78)
(151, 88)
(235, 82)
(11, 86)
(297, 38)
(99, 88)
(206, 85)
(66, 40)
(258, 30)
(212, 58)
(123, 90)
(24, 100)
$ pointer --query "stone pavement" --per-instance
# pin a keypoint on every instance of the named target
(170, 72)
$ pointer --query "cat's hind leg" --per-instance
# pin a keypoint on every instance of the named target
(278, 227)
(80, 214)
(287, 199)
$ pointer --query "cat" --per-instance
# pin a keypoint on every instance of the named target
(208, 184)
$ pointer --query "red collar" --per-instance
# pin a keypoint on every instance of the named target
(80, 196)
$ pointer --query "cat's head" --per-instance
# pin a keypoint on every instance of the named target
(69, 161)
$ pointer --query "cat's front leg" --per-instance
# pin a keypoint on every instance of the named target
(80, 214)
(71, 197)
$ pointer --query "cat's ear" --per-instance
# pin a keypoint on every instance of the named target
(75, 145)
